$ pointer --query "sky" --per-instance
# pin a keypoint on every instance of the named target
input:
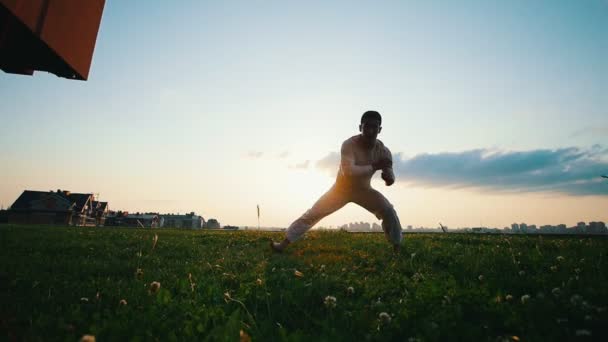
(495, 111)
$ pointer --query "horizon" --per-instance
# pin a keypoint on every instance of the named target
(494, 112)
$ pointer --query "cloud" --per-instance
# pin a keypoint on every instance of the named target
(255, 154)
(570, 170)
(330, 162)
(303, 165)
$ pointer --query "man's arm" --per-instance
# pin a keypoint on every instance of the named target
(387, 173)
(347, 163)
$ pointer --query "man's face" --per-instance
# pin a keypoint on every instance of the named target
(370, 129)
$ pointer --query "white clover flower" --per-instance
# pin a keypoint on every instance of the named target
(560, 258)
(84, 299)
(509, 297)
(350, 290)
(480, 277)
(259, 282)
(154, 287)
(122, 302)
(583, 332)
(577, 270)
(522, 273)
(330, 302)
(556, 291)
(322, 267)
(553, 268)
(384, 318)
(576, 299)
(525, 298)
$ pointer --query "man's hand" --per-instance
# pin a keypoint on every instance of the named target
(388, 179)
(382, 164)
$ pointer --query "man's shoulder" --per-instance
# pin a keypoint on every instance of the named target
(350, 141)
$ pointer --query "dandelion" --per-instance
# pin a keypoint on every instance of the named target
(298, 274)
(154, 287)
(556, 291)
(525, 298)
(330, 302)
(560, 258)
(384, 318)
(576, 299)
(122, 302)
(480, 277)
(87, 338)
(259, 282)
(350, 290)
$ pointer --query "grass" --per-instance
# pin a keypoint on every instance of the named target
(60, 283)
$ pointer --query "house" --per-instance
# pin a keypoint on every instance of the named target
(189, 221)
(48, 207)
(100, 212)
(138, 220)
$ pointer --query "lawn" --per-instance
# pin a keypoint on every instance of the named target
(61, 283)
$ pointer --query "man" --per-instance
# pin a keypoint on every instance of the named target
(361, 156)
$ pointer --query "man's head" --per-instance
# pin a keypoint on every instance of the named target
(371, 125)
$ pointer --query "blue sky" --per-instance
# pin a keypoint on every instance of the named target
(217, 106)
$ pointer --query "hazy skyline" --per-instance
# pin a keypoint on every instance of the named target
(495, 111)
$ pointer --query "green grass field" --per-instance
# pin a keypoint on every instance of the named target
(59, 283)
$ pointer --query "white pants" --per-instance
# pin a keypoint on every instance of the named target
(336, 198)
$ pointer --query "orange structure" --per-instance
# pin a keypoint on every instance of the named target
(57, 36)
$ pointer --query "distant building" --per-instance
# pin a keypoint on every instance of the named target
(523, 228)
(581, 228)
(597, 228)
(515, 228)
(189, 221)
(213, 224)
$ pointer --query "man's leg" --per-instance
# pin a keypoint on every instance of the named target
(377, 204)
(331, 201)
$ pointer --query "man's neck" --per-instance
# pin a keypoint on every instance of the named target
(365, 143)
